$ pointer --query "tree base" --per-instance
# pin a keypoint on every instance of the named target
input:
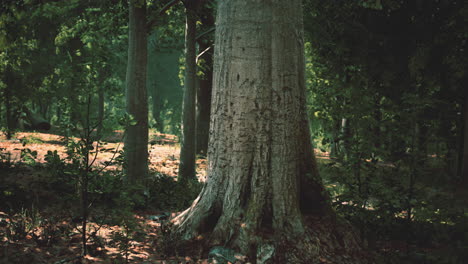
(325, 240)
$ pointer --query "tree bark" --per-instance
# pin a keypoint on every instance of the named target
(262, 174)
(188, 143)
(136, 139)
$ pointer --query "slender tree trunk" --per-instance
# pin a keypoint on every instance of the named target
(9, 116)
(1, 116)
(205, 83)
(101, 101)
(157, 112)
(154, 85)
(58, 113)
(335, 144)
(345, 134)
(188, 146)
(136, 139)
(378, 121)
(262, 174)
(464, 154)
(204, 101)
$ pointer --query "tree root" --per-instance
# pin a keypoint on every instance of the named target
(325, 241)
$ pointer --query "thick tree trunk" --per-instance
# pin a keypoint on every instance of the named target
(262, 175)
(136, 139)
(188, 146)
(204, 100)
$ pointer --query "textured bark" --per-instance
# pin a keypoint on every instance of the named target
(188, 146)
(262, 175)
(136, 139)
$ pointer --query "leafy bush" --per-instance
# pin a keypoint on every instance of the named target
(166, 193)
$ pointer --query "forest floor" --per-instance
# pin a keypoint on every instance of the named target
(38, 214)
(37, 235)
(163, 150)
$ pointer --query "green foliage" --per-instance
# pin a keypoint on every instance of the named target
(28, 156)
(30, 140)
(73, 56)
(385, 95)
(166, 193)
(130, 231)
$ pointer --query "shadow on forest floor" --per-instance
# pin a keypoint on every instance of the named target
(39, 210)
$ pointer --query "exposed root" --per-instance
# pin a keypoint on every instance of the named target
(324, 241)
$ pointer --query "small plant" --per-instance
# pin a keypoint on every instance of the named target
(28, 156)
(30, 140)
(124, 237)
(5, 159)
(21, 224)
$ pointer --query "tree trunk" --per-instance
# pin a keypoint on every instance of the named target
(204, 100)
(464, 154)
(136, 139)
(188, 146)
(335, 144)
(157, 112)
(154, 82)
(262, 174)
(100, 118)
(345, 134)
(10, 118)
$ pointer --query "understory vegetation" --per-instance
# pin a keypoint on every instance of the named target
(387, 106)
(42, 213)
